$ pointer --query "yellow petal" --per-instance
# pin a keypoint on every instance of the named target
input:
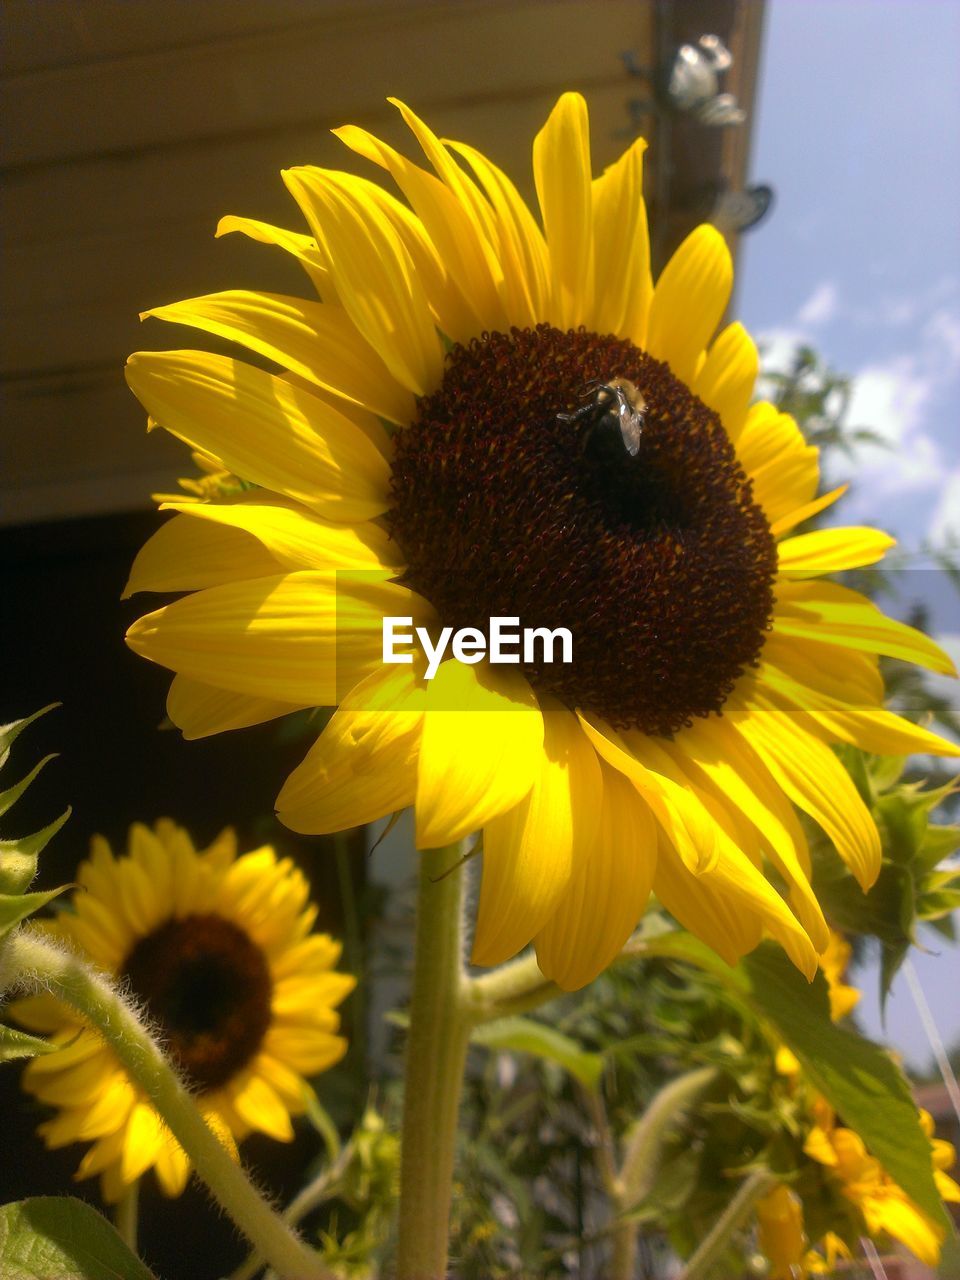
(871, 728)
(607, 892)
(264, 429)
(312, 339)
(741, 901)
(294, 537)
(782, 467)
(523, 250)
(303, 638)
(480, 751)
(797, 515)
(187, 555)
(831, 551)
(561, 170)
(476, 222)
(200, 710)
(624, 285)
(847, 674)
(827, 611)
(172, 1167)
(465, 296)
(76, 1086)
(364, 764)
(306, 1051)
(816, 781)
(259, 1106)
(144, 1141)
(689, 300)
(905, 1222)
(700, 904)
(300, 1000)
(691, 829)
(529, 850)
(303, 248)
(740, 779)
(373, 273)
(726, 380)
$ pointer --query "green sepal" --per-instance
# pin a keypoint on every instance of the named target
(18, 858)
(526, 1035)
(20, 1044)
(10, 732)
(61, 1238)
(15, 907)
(10, 797)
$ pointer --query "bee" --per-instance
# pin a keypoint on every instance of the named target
(612, 417)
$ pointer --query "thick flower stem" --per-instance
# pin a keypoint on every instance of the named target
(435, 1059)
(65, 975)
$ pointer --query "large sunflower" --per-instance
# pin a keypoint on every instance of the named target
(417, 458)
(219, 952)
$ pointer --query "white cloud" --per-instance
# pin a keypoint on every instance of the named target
(945, 521)
(901, 399)
(890, 399)
(820, 307)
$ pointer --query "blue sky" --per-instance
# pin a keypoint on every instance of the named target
(858, 130)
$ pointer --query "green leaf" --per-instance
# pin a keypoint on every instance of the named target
(858, 1078)
(525, 1035)
(59, 1237)
(18, 1044)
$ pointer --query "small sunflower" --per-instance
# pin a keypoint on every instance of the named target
(218, 950)
(421, 455)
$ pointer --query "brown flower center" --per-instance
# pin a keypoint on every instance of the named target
(660, 564)
(209, 988)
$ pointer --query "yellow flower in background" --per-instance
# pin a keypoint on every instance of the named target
(218, 950)
(864, 1181)
(422, 454)
(781, 1236)
(783, 1242)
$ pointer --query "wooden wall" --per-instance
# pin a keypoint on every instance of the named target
(130, 126)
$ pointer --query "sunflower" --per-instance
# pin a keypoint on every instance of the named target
(218, 950)
(421, 454)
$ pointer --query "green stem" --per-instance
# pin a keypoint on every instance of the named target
(623, 1259)
(513, 988)
(125, 1215)
(46, 967)
(519, 985)
(435, 1060)
(323, 1187)
(733, 1217)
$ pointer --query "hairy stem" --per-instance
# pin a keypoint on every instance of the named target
(43, 966)
(435, 1061)
(733, 1217)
